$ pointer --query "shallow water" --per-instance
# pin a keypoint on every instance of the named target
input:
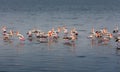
(85, 55)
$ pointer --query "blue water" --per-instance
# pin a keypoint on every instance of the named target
(83, 56)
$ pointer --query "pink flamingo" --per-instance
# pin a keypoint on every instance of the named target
(20, 36)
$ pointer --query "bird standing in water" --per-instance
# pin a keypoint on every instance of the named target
(20, 36)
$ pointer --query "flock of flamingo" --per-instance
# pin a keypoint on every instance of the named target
(102, 35)
(38, 35)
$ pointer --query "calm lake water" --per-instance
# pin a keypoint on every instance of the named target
(84, 55)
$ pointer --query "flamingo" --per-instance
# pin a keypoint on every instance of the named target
(20, 36)
(65, 32)
(4, 30)
(74, 33)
